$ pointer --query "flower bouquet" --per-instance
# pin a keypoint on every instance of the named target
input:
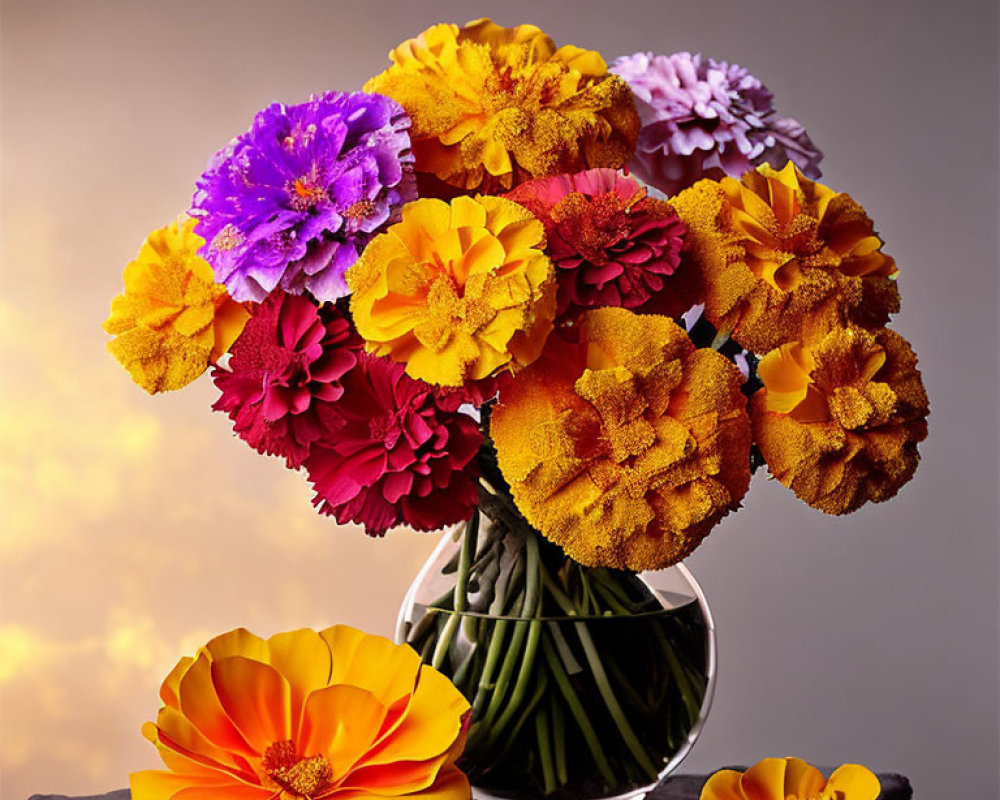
(563, 311)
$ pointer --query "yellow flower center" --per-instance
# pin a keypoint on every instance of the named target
(359, 210)
(301, 776)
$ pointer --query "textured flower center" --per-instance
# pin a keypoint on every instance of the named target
(593, 226)
(359, 210)
(303, 777)
(228, 238)
(305, 193)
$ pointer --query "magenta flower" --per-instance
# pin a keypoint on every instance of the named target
(611, 244)
(398, 458)
(285, 373)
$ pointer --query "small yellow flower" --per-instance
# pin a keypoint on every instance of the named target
(792, 779)
(172, 320)
(306, 716)
(780, 258)
(626, 445)
(493, 106)
(456, 292)
(839, 421)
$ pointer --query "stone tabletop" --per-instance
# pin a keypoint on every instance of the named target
(678, 787)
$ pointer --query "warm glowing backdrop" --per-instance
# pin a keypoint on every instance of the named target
(135, 527)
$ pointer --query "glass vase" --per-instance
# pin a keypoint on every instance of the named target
(584, 682)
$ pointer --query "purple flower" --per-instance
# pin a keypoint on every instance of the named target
(294, 200)
(703, 118)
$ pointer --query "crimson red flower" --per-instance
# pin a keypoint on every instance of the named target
(612, 244)
(472, 393)
(285, 374)
(398, 456)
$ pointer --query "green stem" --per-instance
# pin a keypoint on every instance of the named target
(522, 629)
(692, 704)
(559, 740)
(486, 684)
(461, 592)
(544, 752)
(611, 701)
(576, 708)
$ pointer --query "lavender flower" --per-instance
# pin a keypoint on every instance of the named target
(703, 118)
(293, 201)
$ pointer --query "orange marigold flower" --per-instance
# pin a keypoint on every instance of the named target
(781, 258)
(792, 779)
(839, 421)
(306, 715)
(626, 445)
(172, 320)
(456, 291)
(492, 106)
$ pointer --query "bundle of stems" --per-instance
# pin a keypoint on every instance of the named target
(581, 683)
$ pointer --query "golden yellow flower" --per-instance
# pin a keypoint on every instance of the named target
(839, 422)
(627, 445)
(310, 715)
(172, 320)
(781, 258)
(792, 779)
(492, 106)
(456, 291)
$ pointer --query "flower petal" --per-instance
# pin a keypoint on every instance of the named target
(340, 723)
(303, 658)
(723, 785)
(430, 725)
(200, 703)
(852, 782)
(257, 699)
(765, 780)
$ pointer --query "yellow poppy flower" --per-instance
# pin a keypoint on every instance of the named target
(172, 320)
(780, 258)
(627, 445)
(456, 291)
(839, 421)
(339, 713)
(493, 106)
(792, 779)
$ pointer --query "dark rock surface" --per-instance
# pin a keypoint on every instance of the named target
(678, 787)
(688, 787)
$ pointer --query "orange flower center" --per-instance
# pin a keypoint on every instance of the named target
(305, 194)
(301, 776)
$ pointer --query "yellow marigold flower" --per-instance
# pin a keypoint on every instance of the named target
(839, 422)
(492, 106)
(627, 445)
(306, 715)
(456, 291)
(781, 258)
(792, 779)
(172, 320)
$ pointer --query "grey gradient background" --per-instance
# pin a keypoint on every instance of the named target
(132, 528)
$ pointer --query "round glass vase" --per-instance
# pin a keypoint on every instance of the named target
(584, 683)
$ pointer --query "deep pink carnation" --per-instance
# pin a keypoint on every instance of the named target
(612, 244)
(398, 457)
(285, 375)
